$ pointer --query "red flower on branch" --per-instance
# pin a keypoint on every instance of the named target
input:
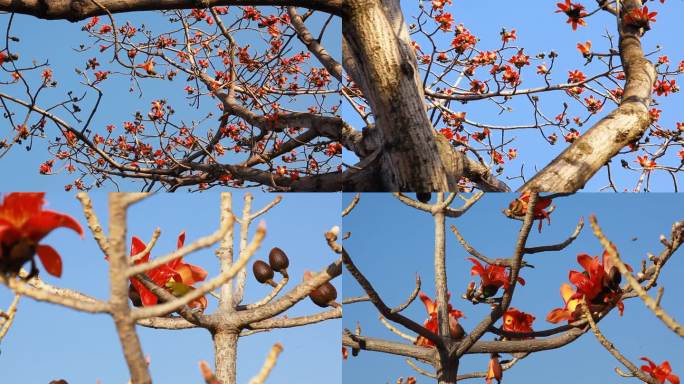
(518, 207)
(432, 324)
(598, 284)
(568, 311)
(517, 321)
(23, 224)
(585, 49)
(664, 87)
(176, 276)
(660, 372)
(494, 370)
(646, 163)
(575, 13)
(492, 277)
(640, 18)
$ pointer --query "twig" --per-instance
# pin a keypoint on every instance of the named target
(270, 362)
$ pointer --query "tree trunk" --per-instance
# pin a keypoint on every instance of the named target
(225, 355)
(384, 66)
(411, 156)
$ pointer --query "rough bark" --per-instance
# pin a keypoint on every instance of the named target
(387, 68)
(75, 10)
(125, 324)
(225, 355)
(411, 156)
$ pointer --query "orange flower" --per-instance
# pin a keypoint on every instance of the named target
(568, 311)
(585, 49)
(517, 321)
(598, 284)
(576, 76)
(492, 277)
(23, 224)
(518, 207)
(345, 354)
(660, 372)
(148, 67)
(431, 324)
(664, 87)
(640, 18)
(646, 163)
(575, 13)
(176, 276)
(494, 370)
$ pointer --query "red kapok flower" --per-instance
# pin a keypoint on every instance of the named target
(494, 370)
(660, 372)
(585, 49)
(646, 163)
(431, 324)
(575, 13)
(664, 87)
(492, 277)
(517, 321)
(518, 207)
(640, 18)
(598, 284)
(148, 67)
(176, 276)
(568, 311)
(189, 274)
(23, 224)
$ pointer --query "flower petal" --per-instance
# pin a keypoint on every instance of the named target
(566, 292)
(8, 234)
(146, 296)
(50, 259)
(138, 246)
(477, 269)
(430, 306)
(557, 315)
(181, 240)
(42, 223)
(18, 207)
(585, 261)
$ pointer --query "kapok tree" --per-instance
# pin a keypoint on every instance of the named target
(165, 292)
(419, 75)
(230, 95)
(441, 342)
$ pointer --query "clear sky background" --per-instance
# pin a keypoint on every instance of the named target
(391, 242)
(48, 342)
(58, 42)
(539, 29)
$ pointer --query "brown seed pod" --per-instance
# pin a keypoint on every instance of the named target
(278, 260)
(324, 295)
(262, 272)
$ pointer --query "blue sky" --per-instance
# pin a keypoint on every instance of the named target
(539, 29)
(58, 42)
(48, 342)
(391, 242)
